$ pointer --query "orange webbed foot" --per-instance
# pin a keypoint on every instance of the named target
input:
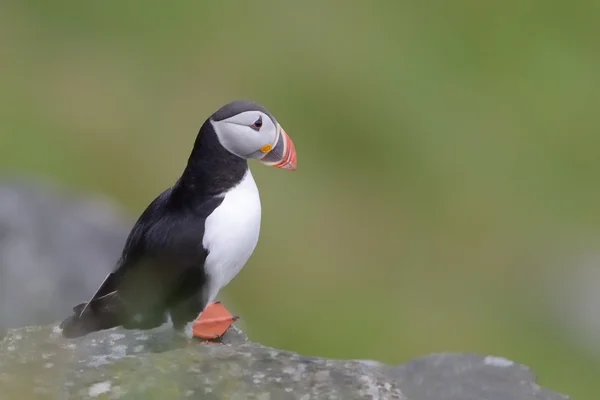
(213, 323)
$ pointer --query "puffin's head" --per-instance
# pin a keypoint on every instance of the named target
(248, 130)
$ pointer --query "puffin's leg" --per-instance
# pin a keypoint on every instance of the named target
(213, 322)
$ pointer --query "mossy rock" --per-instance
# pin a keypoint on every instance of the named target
(37, 362)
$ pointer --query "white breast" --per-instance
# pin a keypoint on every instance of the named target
(231, 233)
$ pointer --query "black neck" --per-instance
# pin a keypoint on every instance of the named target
(211, 169)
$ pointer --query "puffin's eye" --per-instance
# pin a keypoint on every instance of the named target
(257, 124)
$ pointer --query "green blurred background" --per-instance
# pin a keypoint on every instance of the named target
(447, 156)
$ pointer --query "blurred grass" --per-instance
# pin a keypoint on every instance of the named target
(446, 152)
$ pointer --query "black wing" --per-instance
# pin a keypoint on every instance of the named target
(162, 264)
(132, 250)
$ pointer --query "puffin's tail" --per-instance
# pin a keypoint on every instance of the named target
(101, 313)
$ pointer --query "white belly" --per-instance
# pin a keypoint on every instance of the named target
(231, 233)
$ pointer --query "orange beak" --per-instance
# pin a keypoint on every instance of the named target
(283, 153)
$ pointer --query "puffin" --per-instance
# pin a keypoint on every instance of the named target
(195, 236)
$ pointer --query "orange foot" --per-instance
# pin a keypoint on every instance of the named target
(213, 323)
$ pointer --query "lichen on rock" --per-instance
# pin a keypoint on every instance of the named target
(37, 362)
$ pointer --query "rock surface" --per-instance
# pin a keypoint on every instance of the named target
(55, 248)
(36, 362)
(469, 377)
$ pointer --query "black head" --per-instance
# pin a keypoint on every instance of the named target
(237, 107)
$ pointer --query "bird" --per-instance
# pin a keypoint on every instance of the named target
(195, 236)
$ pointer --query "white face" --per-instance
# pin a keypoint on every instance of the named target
(250, 134)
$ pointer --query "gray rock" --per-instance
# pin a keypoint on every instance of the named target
(36, 362)
(469, 377)
(55, 248)
(572, 292)
(161, 365)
